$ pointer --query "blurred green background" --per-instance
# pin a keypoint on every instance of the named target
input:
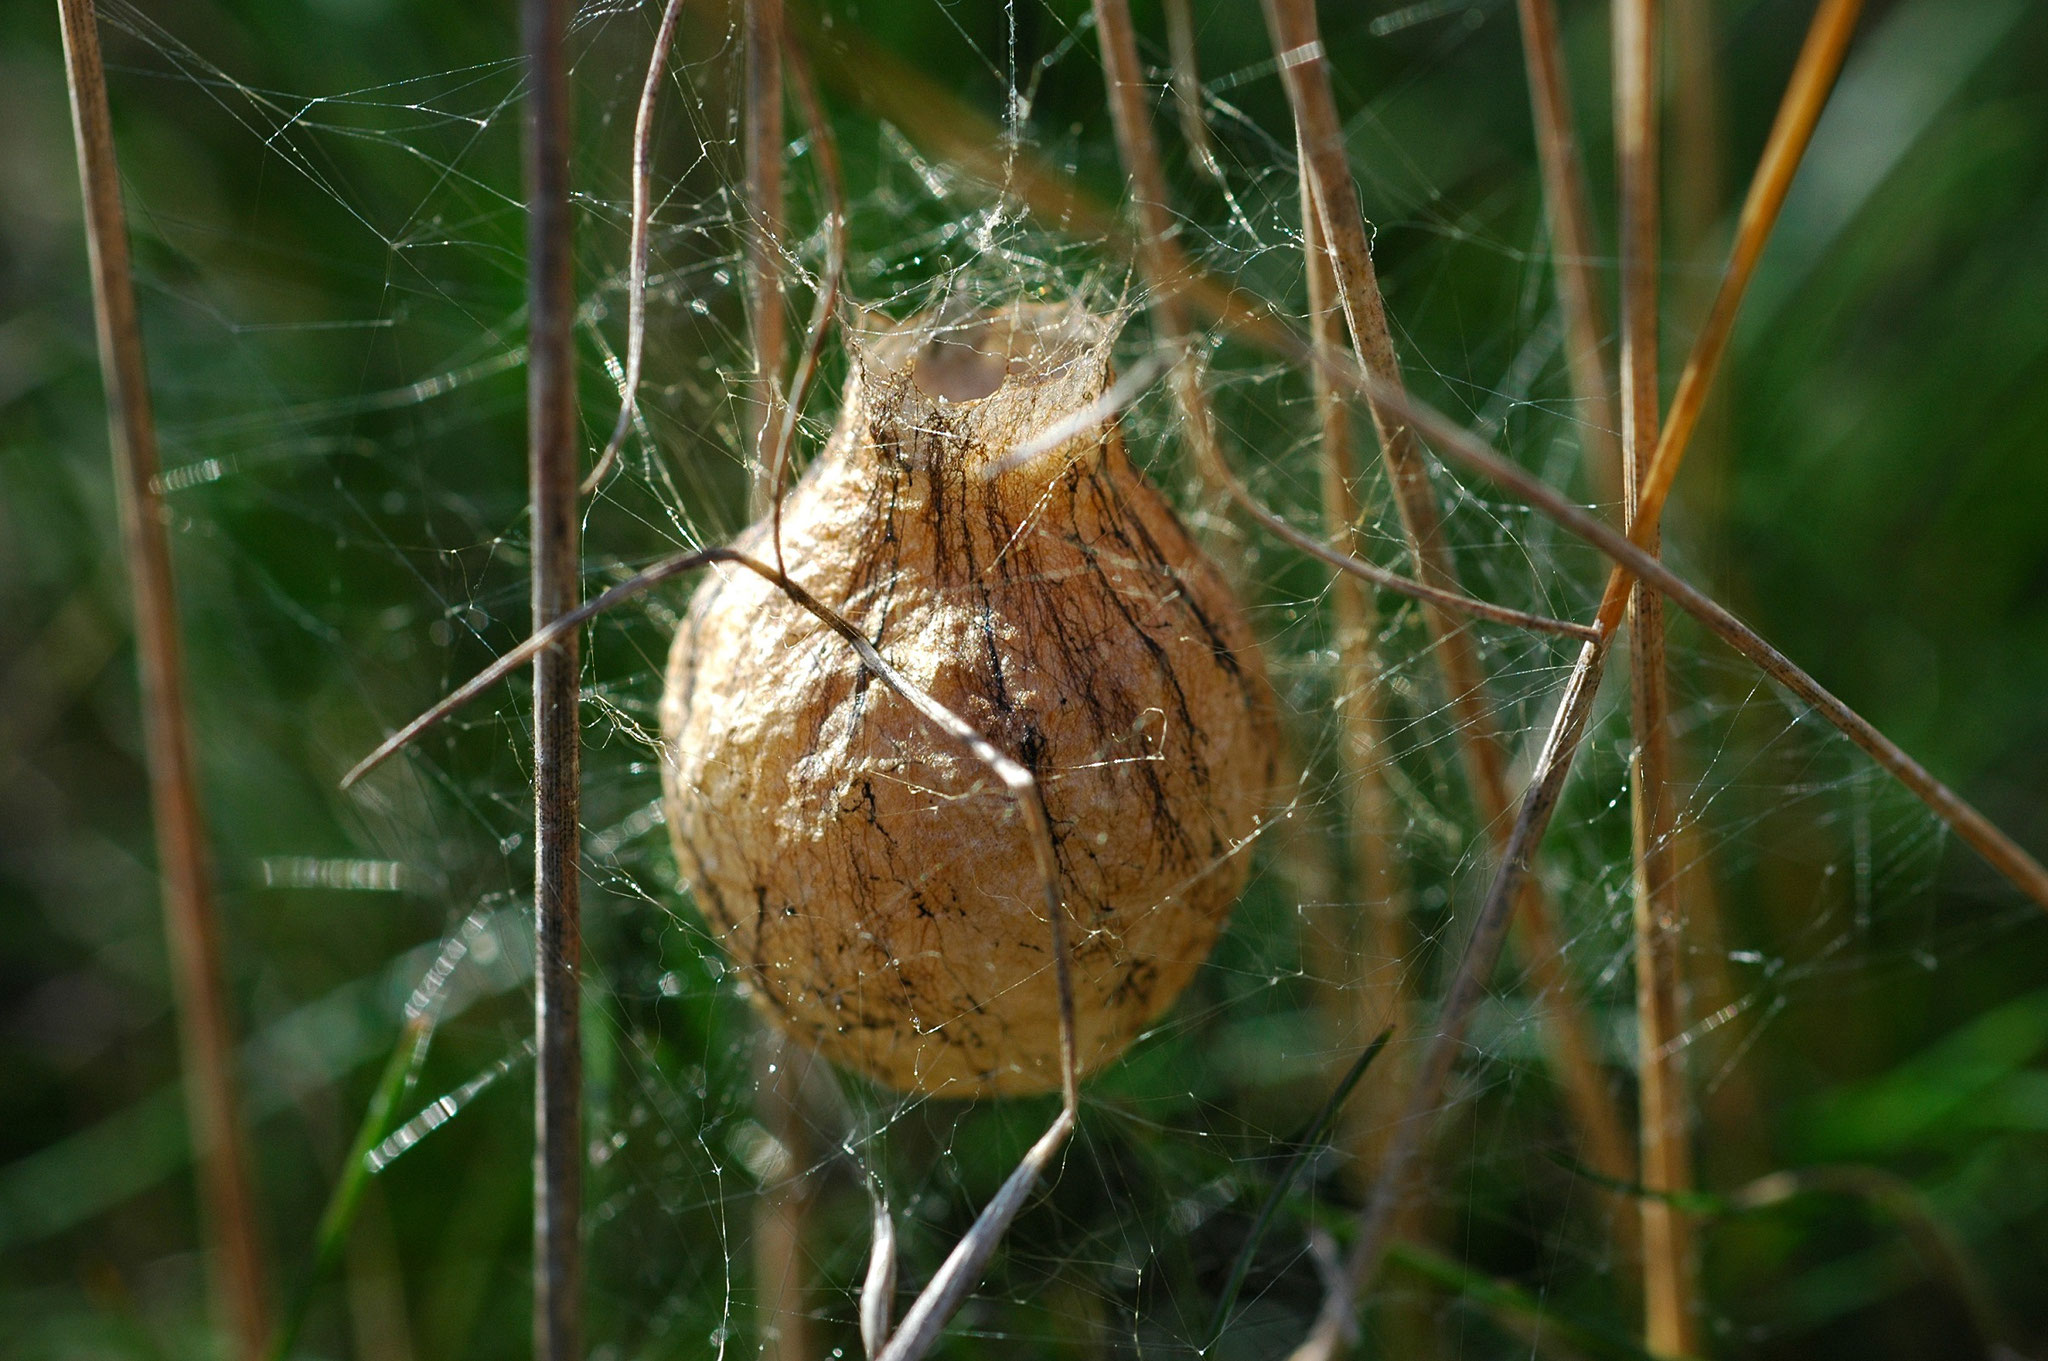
(324, 202)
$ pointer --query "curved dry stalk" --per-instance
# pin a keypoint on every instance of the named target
(962, 1269)
(636, 268)
(557, 729)
(878, 1290)
(1941, 1250)
(1326, 172)
(1376, 871)
(1379, 881)
(191, 920)
(1567, 206)
(1664, 1123)
(781, 1214)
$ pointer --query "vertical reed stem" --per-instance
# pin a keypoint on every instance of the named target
(781, 1213)
(1664, 1115)
(1187, 86)
(1375, 971)
(1696, 189)
(762, 136)
(557, 753)
(191, 919)
(1567, 205)
(1371, 855)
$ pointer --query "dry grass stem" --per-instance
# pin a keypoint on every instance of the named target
(1372, 998)
(878, 1290)
(1696, 199)
(191, 920)
(963, 1266)
(1158, 258)
(636, 266)
(1664, 1119)
(762, 135)
(1569, 1035)
(1570, 213)
(781, 1213)
(1187, 86)
(557, 736)
(826, 148)
(1374, 861)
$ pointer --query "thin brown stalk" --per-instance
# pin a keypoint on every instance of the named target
(1664, 1122)
(191, 920)
(762, 135)
(1139, 152)
(557, 737)
(1569, 210)
(1696, 198)
(1573, 1052)
(780, 1215)
(636, 268)
(1187, 86)
(1695, 188)
(1373, 859)
(825, 147)
(962, 1268)
(1373, 970)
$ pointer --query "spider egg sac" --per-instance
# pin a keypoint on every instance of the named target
(870, 879)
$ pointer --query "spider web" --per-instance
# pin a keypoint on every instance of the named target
(343, 421)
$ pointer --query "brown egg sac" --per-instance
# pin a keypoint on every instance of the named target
(868, 876)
